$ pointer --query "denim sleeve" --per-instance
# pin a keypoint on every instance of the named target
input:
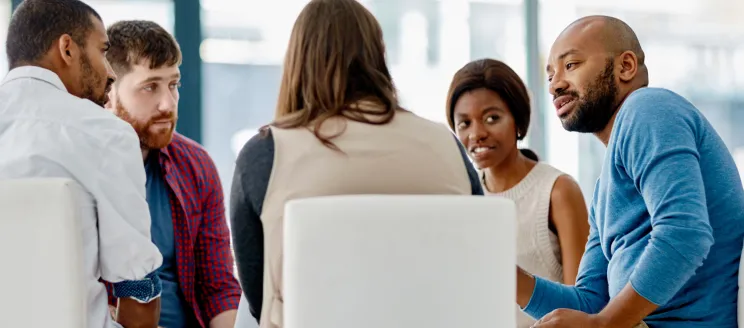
(142, 291)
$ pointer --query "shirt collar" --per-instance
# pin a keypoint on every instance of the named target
(164, 152)
(164, 158)
(37, 73)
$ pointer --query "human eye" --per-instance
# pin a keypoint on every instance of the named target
(462, 125)
(492, 118)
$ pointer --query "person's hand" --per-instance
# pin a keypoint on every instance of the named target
(132, 313)
(112, 309)
(564, 318)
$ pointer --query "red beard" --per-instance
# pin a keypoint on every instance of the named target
(150, 139)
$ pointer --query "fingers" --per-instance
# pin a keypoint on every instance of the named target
(543, 321)
(552, 319)
(554, 323)
(112, 310)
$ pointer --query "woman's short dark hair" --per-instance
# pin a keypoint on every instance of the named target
(498, 77)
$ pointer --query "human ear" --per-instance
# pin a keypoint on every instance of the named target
(67, 49)
(628, 66)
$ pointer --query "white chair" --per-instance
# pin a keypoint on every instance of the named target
(399, 262)
(42, 282)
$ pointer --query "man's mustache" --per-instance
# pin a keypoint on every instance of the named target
(573, 94)
(168, 116)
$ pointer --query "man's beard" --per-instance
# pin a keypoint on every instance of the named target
(148, 139)
(594, 111)
(90, 81)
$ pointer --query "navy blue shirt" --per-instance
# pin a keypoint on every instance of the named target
(174, 310)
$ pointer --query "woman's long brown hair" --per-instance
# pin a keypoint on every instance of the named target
(335, 60)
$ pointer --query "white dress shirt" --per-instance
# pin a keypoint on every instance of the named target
(47, 132)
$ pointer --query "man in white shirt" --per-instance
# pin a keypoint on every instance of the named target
(52, 125)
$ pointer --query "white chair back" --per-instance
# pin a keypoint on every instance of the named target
(41, 252)
(399, 262)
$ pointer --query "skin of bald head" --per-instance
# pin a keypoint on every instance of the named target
(594, 64)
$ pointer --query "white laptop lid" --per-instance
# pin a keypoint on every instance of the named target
(399, 262)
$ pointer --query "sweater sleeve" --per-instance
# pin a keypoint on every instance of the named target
(590, 294)
(250, 181)
(657, 145)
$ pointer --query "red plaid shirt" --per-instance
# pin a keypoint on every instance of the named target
(203, 255)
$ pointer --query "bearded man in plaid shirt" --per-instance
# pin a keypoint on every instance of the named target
(183, 188)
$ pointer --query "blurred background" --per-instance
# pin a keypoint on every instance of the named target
(233, 52)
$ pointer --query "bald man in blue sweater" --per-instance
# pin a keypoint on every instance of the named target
(667, 218)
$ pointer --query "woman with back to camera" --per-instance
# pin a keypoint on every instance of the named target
(488, 108)
(338, 130)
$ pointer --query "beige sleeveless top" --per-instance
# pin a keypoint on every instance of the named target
(409, 155)
(538, 250)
